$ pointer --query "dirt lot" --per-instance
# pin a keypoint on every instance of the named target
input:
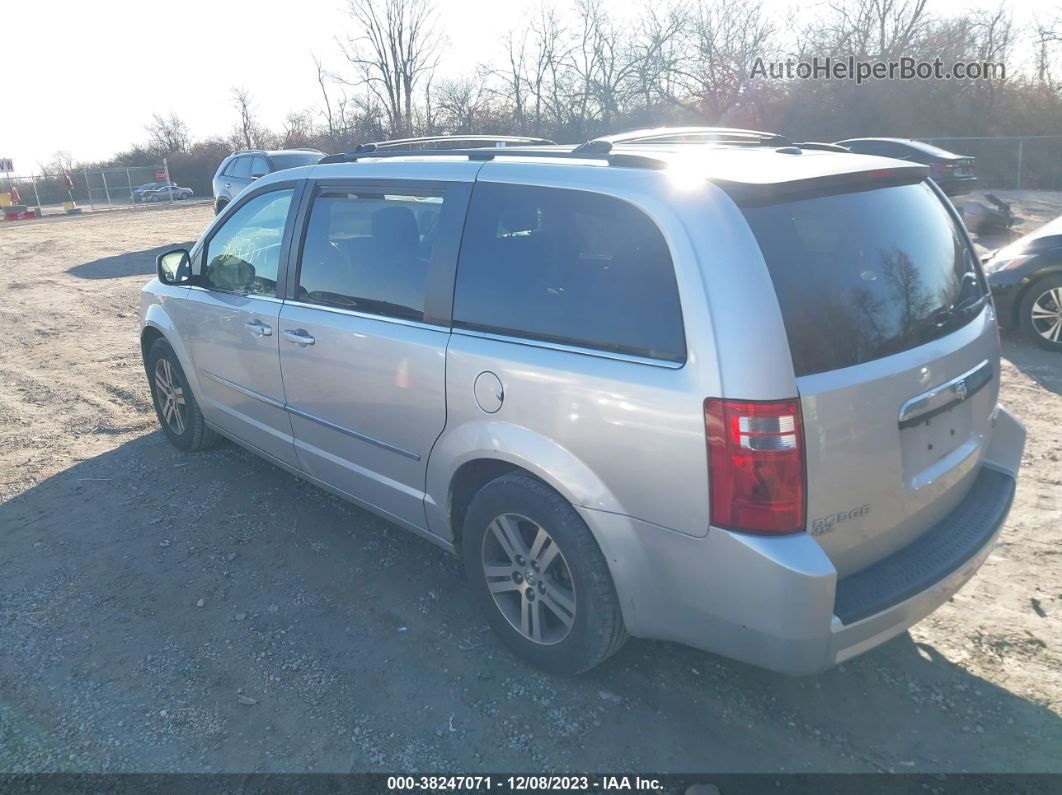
(163, 612)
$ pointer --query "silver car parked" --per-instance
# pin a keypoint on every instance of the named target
(240, 169)
(741, 394)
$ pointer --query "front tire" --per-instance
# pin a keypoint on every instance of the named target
(1041, 312)
(175, 405)
(539, 576)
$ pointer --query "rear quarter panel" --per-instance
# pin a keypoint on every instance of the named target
(615, 435)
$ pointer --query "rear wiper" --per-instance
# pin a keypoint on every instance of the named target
(946, 314)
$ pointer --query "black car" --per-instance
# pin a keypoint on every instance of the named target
(953, 173)
(1026, 281)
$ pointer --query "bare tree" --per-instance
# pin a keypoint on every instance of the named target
(167, 134)
(512, 77)
(1047, 36)
(725, 39)
(397, 46)
(870, 28)
(551, 79)
(661, 50)
(62, 163)
(298, 129)
(329, 115)
(249, 134)
(605, 63)
(459, 103)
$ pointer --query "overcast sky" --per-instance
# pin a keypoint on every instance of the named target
(85, 75)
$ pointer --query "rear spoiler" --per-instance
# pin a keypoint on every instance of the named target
(752, 194)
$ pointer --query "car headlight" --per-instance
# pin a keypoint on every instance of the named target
(997, 264)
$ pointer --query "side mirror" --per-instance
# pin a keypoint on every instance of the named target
(174, 267)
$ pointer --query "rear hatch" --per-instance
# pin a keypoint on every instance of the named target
(896, 355)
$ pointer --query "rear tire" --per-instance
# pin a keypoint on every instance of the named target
(175, 405)
(1041, 312)
(539, 576)
(218, 207)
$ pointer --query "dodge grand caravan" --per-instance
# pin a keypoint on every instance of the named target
(742, 396)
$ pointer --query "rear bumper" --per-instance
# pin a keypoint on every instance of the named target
(777, 602)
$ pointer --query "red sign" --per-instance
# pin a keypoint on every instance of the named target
(160, 175)
(68, 182)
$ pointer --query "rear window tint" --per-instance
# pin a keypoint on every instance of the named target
(259, 167)
(860, 276)
(569, 267)
(281, 162)
(370, 252)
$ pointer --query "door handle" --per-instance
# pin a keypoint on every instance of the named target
(227, 185)
(260, 329)
(299, 337)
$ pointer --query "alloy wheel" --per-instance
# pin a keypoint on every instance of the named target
(170, 396)
(1047, 315)
(529, 578)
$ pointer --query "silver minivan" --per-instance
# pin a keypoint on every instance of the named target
(741, 395)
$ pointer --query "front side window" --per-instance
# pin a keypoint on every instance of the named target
(243, 256)
(570, 267)
(369, 251)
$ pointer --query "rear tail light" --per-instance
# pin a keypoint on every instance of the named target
(756, 465)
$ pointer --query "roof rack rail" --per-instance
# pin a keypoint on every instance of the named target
(467, 141)
(494, 153)
(685, 135)
(824, 147)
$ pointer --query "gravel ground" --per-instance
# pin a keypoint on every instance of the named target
(165, 612)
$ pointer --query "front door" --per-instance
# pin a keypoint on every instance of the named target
(362, 361)
(231, 325)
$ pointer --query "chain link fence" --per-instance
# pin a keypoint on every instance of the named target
(124, 187)
(1015, 163)
(88, 189)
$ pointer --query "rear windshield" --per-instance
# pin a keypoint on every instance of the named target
(280, 162)
(864, 275)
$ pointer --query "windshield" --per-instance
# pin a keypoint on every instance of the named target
(281, 162)
(864, 275)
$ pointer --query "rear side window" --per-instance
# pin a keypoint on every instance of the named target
(570, 267)
(259, 166)
(369, 251)
(860, 276)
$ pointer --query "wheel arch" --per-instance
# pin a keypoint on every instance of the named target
(469, 457)
(158, 324)
(1033, 280)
